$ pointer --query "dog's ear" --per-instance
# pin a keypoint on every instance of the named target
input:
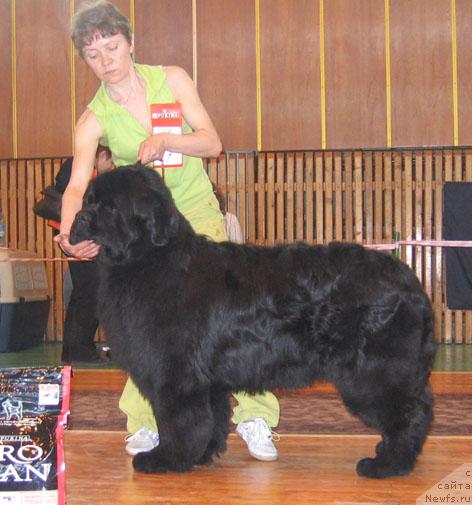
(163, 223)
(159, 218)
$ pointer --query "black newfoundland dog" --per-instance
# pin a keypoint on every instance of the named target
(191, 320)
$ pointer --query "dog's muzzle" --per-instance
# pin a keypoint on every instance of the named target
(80, 229)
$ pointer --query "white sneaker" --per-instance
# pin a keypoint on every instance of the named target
(258, 437)
(142, 441)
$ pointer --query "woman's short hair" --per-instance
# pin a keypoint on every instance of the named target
(98, 18)
(103, 149)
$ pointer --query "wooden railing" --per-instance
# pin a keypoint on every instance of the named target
(366, 196)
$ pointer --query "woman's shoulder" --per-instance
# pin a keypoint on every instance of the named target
(154, 74)
(88, 126)
(176, 75)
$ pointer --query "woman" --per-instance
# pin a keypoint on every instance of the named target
(119, 117)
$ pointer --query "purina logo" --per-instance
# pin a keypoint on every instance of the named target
(13, 409)
(166, 114)
(22, 464)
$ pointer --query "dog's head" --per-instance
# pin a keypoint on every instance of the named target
(128, 212)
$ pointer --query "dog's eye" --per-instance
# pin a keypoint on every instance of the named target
(89, 199)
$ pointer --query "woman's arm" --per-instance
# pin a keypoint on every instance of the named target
(87, 134)
(203, 142)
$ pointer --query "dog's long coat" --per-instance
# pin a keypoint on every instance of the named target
(191, 320)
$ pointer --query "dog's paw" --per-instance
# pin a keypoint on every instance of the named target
(146, 462)
(378, 468)
(152, 462)
(380, 448)
(367, 468)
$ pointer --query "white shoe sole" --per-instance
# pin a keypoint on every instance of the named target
(133, 452)
(264, 457)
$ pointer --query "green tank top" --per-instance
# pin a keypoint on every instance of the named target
(123, 134)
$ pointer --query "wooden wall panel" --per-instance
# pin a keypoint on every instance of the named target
(43, 78)
(356, 107)
(226, 69)
(421, 72)
(290, 74)
(86, 84)
(355, 73)
(163, 32)
(464, 63)
(6, 123)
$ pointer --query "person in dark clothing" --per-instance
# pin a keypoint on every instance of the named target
(81, 321)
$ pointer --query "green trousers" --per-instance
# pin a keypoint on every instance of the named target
(207, 220)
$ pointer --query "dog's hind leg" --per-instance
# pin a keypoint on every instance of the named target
(221, 411)
(186, 427)
(403, 419)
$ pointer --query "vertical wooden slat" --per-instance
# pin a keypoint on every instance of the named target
(12, 204)
(438, 251)
(338, 197)
(39, 223)
(448, 332)
(397, 196)
(299, 210)
(261, 198)
(271, 199)
(231, 181)
(328, 198)
(458, 314)
(21, 204)
(468, 165)
(457, 166)
(30, 198)
(388, 200)
(309, 197)
(408, 204)
(251, 198)
(368, 199)
(427, 220)
(242, 192)
(4, 194)
(358, 197)
(319, 198)
(290, 209)
(212, 169)
(223, 169)
(52, 251)
(418, 213)
(378, 213)
(349, 209)
(280, 188)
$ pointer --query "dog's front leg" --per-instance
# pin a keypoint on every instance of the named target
(185, 429)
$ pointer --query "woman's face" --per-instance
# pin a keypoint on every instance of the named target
(109, 57)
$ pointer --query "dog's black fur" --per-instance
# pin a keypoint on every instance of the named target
(191, 320)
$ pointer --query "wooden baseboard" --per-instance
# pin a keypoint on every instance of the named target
(114, 380)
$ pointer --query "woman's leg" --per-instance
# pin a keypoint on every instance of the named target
(137, 409)
(265, 406)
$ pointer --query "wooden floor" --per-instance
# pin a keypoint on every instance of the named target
(312, 469)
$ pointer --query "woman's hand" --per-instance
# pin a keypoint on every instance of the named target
(153, 148)
(87, 249)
